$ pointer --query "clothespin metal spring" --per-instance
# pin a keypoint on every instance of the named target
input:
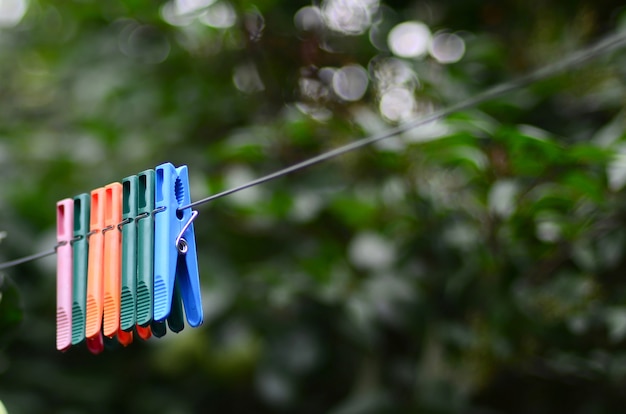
(65, 242)
(181, 243)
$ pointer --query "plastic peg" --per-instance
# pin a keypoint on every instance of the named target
(112, 258)
(65, 219)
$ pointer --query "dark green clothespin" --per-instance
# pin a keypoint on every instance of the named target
(145, 255)
(129, 253)
(80, 252)
(145, 247)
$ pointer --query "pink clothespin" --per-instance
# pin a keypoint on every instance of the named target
(65, 228)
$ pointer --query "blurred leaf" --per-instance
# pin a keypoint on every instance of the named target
(10, 310)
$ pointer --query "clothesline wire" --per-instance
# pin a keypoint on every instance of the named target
(602, 47)
(26, 259)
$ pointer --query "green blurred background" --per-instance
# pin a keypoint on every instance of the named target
(475, 265)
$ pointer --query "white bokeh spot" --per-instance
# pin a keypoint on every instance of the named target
(369, 250)
(220, 15)
(308, 18)
(409, 39)
(350, 82)
(397, 104)
(351, 17)
(447, 47)
(11, 12)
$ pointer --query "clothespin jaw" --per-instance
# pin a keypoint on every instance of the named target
(175, 255)
(65, 231)
(80, 253)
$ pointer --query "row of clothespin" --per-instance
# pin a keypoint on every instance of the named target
(127, 261)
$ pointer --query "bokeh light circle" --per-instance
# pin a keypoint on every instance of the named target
(447, 47)
(350, 82)
(409, 39)
(397, 104)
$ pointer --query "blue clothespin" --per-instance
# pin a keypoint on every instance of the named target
(175, 256)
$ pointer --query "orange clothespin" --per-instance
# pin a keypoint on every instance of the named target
(95, 268)
(113, 263)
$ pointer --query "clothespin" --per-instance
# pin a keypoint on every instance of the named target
(175, 256)
(129, 253)
(95, 268)
(80, 253)
(129, 226)
(145, 253)
(113, 263)
(65, 218)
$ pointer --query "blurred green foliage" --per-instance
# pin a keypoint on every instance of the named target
(473, 265)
